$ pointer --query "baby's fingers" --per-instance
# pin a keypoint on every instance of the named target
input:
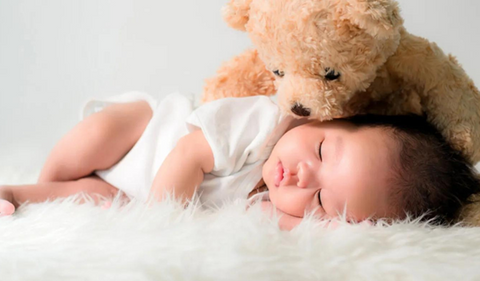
(6, 208)
(106, 205)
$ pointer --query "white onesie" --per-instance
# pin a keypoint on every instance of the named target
(240, 131)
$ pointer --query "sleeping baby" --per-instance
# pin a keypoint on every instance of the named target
(362, 167)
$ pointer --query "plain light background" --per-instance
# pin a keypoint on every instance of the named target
(54, 54)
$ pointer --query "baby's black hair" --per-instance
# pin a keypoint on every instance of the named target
(431, 180)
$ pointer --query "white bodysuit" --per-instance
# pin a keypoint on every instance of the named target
(240, 131)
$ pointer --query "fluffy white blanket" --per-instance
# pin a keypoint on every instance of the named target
(63, 240)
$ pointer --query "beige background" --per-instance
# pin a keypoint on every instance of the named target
(54, 54)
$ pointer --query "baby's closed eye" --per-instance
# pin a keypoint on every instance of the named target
(320, 151)
(319, 196)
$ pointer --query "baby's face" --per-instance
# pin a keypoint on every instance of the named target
(327, 167)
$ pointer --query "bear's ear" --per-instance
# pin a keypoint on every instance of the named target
(379, 18)
(236, 13)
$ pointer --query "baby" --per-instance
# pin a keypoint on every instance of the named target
(367, 166)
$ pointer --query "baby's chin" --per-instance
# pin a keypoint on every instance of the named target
(281, 210)
(298, 212)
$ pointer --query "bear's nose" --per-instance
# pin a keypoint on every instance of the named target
(299, 110)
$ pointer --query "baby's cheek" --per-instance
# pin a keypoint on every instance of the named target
(328, 210)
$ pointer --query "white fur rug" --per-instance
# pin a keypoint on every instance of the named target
(68, 241)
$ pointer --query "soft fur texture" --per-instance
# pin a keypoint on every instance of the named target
(383, 68)
(62, 240)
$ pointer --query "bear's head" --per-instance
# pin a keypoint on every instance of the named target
(321, 51)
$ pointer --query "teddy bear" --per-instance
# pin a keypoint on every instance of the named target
(336, 58)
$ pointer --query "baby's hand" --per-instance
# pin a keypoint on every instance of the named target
(106, 205)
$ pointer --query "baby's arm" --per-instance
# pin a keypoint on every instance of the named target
(184, 168)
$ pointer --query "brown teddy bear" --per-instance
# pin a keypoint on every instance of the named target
(336, 58)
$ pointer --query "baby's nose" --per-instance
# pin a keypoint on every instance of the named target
(304, 175)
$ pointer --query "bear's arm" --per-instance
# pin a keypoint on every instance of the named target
(242, 76)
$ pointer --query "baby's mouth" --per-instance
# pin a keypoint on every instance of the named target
(280, 174)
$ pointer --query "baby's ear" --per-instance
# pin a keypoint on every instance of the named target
(236, 13)
(379, 18)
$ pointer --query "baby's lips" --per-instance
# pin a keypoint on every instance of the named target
(279, 174)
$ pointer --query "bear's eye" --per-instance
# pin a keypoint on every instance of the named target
(279, 73)
(331, 74)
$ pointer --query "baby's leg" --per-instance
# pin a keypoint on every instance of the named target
(12, 196)
(97, 142)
